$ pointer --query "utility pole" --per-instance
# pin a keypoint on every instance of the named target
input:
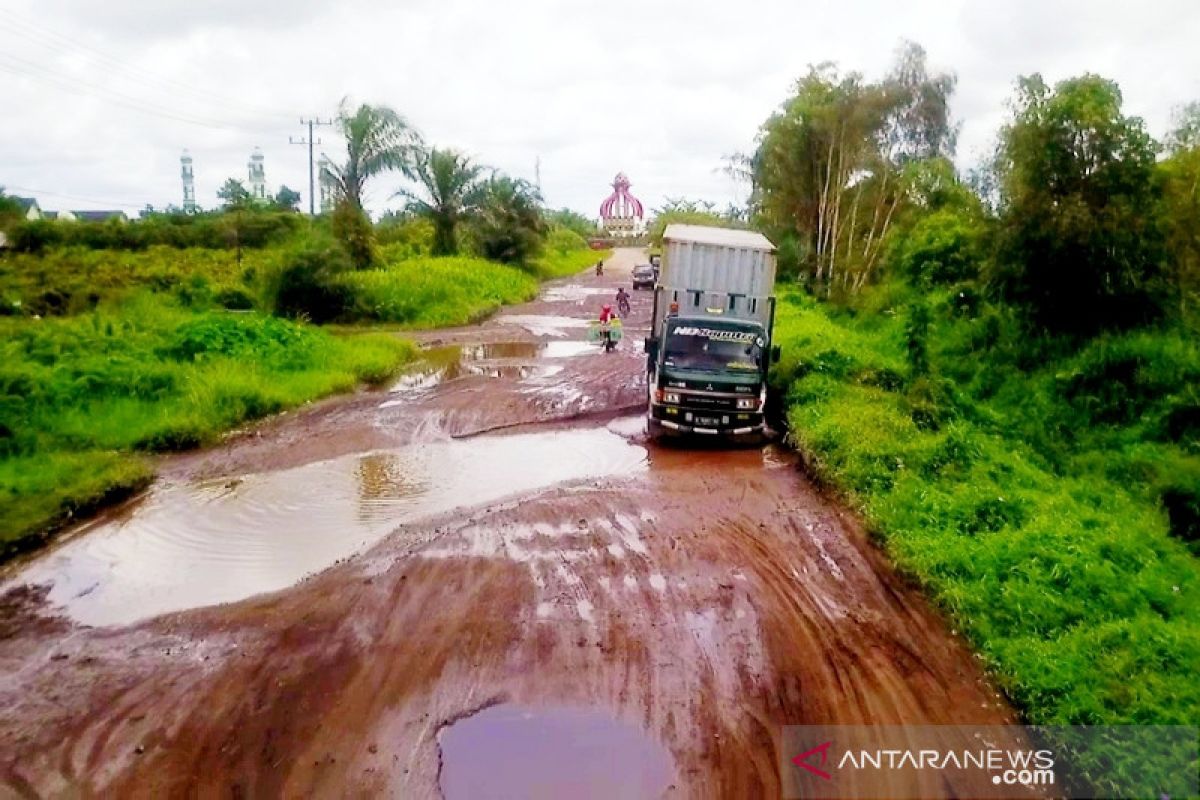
(311, 122)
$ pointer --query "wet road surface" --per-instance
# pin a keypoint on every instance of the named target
(483, 570)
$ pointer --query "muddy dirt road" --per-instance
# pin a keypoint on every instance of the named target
(483, 578)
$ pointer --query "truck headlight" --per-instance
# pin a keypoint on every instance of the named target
(671, 397)
(747, 403)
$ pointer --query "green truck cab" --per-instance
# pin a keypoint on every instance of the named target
(709, 351)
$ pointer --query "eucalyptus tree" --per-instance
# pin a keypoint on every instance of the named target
(828, 173)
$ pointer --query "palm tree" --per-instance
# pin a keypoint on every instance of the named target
(377, 140)
(509, 225)
(446, 192)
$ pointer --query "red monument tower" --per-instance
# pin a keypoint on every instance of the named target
(621, 214)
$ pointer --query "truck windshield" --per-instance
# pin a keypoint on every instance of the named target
(699, 347)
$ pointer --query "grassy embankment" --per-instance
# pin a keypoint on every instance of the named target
(1044, 495)
(428, 292)
(107, 356)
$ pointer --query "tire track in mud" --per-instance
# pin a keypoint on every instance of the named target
(708, 601)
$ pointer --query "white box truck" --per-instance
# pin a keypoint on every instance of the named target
(709, 349)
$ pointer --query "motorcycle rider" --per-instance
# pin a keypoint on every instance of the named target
(622, 301)
(600, 267)
(606, 319)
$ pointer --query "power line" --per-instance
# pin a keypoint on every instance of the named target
(35, 192)
(65, 44)
(310, 122)
(22, 67)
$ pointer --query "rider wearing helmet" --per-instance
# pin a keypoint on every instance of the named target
(606, 318)
(623, 301)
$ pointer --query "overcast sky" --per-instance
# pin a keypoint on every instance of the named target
(98, 99)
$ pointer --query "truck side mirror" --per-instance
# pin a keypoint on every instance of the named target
(775, 353)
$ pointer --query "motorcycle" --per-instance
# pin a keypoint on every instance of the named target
(599, 268)
(623, 305)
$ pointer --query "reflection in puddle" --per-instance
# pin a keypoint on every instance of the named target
(540, 325)
(494, 360)
(511, 751)
(574, 293)
(211, 542)
(565, 348)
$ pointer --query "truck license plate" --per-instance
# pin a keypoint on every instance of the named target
(708, 421)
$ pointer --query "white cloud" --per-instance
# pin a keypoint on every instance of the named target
(659, 90)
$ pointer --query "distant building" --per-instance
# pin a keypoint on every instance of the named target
(189, 183)
(621, 214)
(99, 216)
(60, 216)
(258, 175)
(326, 185)
(29, 207)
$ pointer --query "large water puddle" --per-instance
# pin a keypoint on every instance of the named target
(575, 293)
(209, 542)
(544, 325)
(513, 751)
(512, 360)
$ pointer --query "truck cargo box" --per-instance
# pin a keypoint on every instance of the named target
(717, 271)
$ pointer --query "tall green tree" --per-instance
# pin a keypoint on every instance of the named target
(508, 224)
(446, 193)
(233, 194)
(685, 211)
(829, 171)
(1179, 177)
(10, 209)
(572, 221)
(287, 199)
(1079, 246)
(378, 140)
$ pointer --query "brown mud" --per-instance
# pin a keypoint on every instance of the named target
(682, 605)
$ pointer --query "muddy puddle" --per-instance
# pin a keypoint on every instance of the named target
(544, 325)
(208, 542)
(511, 360)
(515, 751)
(575, 293)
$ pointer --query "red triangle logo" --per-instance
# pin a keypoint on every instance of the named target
(802, 760)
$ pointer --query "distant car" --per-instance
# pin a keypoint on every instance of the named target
(644, 276)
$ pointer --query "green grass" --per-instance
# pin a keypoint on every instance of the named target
(76, 279)
(560, 264)
(82, 398)
(429, 292)
(432, 292)
(1024, 488)
(107, 356)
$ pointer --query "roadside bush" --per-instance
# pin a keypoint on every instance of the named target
(79, 396)
(404, 238)
(432, 292)
(562, 241)
(1058, 542)
(34, 236)
(352, 228)
(306, 283)
(234, 298)
(941, 248)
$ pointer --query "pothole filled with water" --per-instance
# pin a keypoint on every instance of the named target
(515, 751)
(207, 542)
(512, 360)
(544, 325)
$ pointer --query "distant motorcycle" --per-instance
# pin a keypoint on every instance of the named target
(599, 268)
(623, 305)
